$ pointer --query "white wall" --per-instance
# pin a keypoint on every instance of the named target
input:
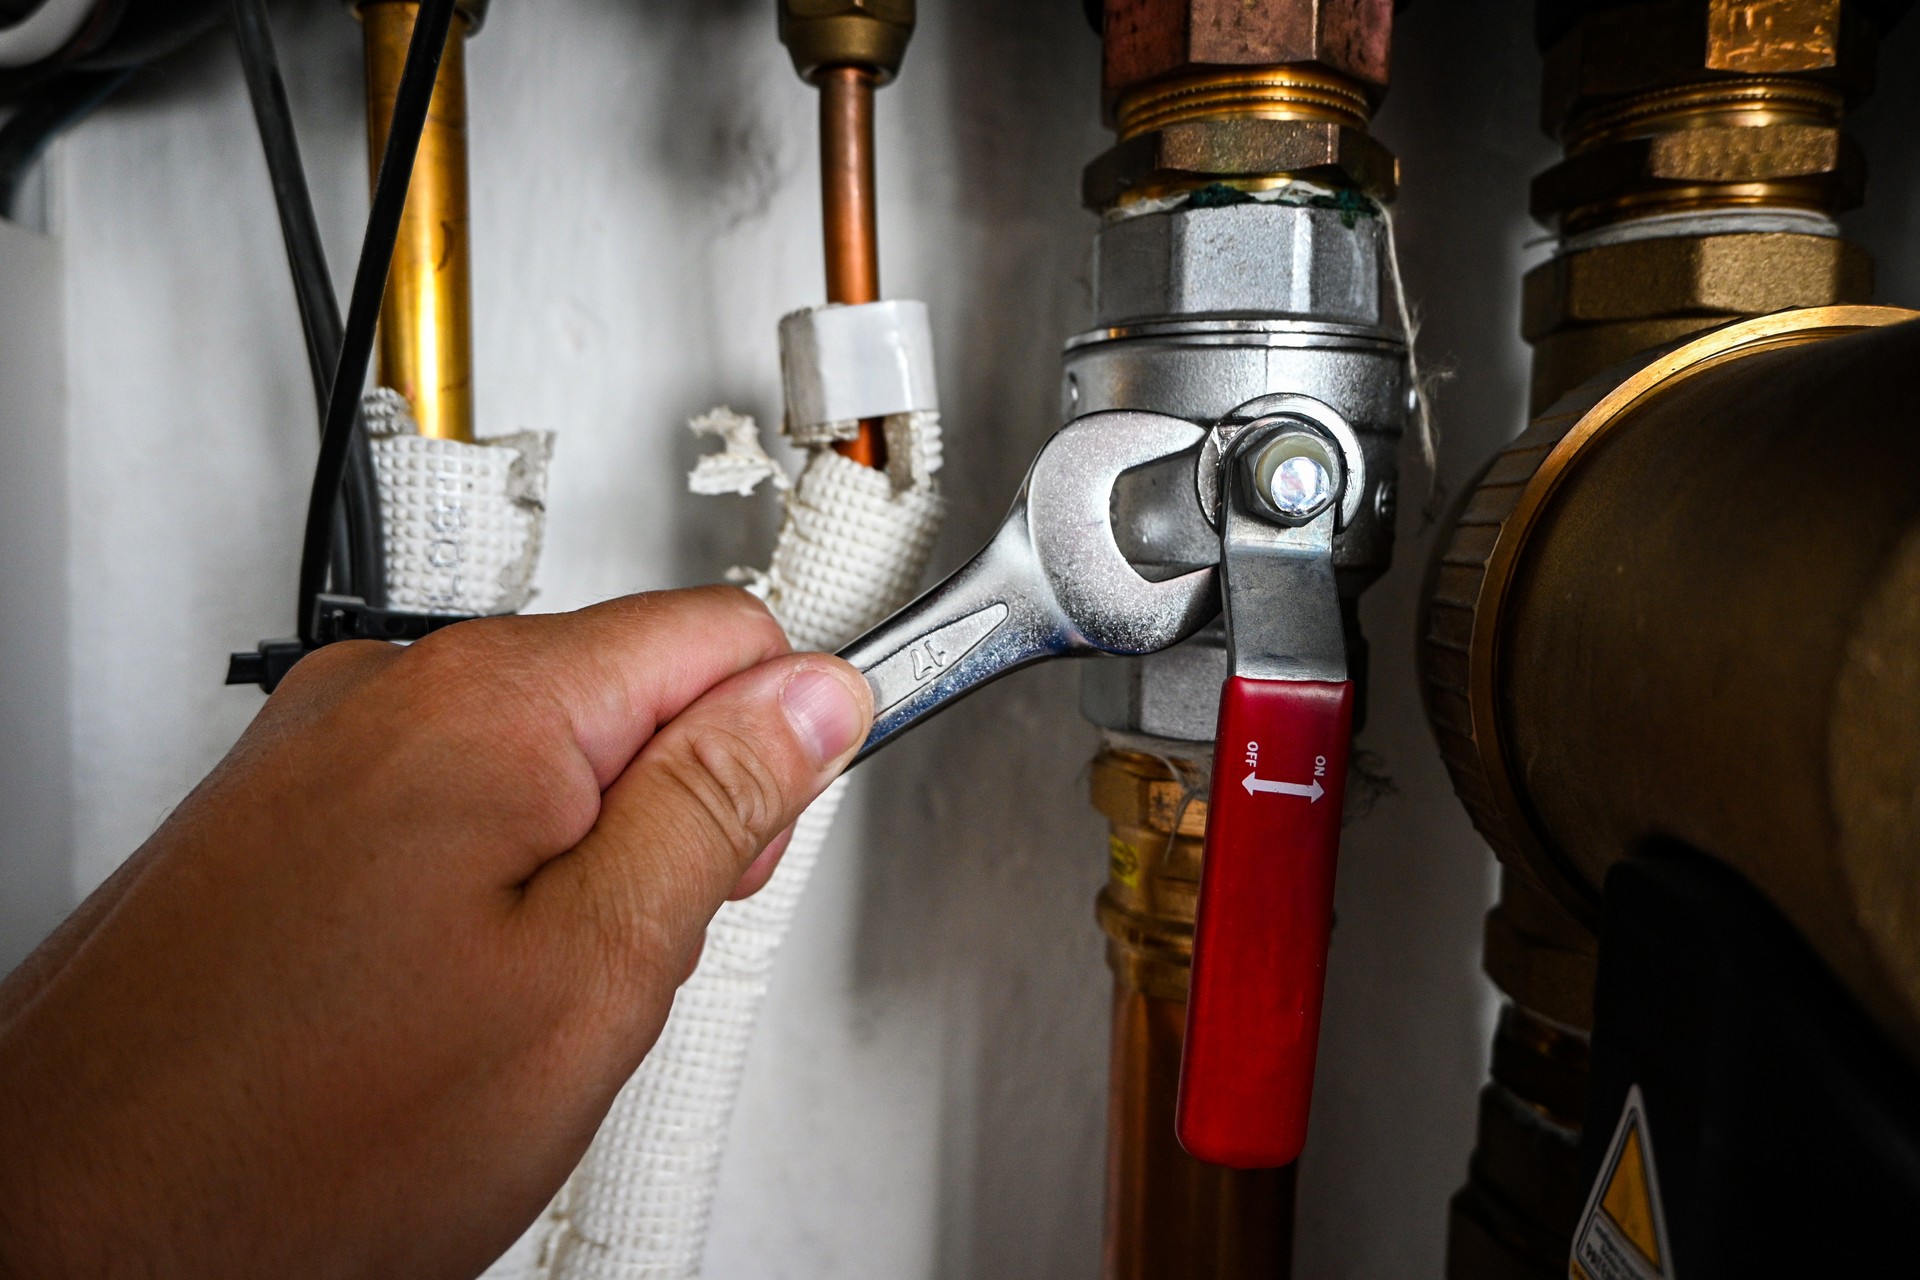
(927, 1093)
(36, 750)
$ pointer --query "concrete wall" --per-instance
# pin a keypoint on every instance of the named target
(927, 1093)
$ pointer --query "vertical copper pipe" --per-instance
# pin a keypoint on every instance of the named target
(847, 210)
(426, 319)
(1170, 1217)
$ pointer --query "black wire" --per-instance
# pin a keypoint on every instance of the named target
(357, 558)
(432, 22)
(56, 106)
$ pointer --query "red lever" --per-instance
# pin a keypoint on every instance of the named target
(1266, 910)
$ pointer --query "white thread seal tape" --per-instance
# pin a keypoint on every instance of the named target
(844, 364)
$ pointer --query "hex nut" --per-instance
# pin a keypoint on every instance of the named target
(1816, 164)
(838, 33)
(1540, 974)
(1194, 153)
(1564, 360)
(1173, 694)
(1242, 260)
(1662, 44)
(1148, 40)
(1724, 276)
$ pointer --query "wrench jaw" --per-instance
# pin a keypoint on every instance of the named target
(1052, 583)
(1070, 495)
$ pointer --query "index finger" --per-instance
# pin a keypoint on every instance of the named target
(619, 670)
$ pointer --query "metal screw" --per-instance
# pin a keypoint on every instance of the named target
(1296, 476)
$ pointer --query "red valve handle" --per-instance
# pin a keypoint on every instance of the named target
(1266, 909)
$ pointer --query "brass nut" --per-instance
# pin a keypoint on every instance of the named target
(1723, 276)
(1153, 870)
(1796, 165)
(1530, 1164)
(1543, 1064)
(1641, 48)
(1138, 791)
(1564, 360)
(1148, 40)
(1549, 980)
(1190, 155)
(843, 33)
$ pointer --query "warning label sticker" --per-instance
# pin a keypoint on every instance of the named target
(1623, 1230)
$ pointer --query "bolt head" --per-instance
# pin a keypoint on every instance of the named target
(1296, 475)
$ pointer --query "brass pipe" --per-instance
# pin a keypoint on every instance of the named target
(847, 210)
(426, 318)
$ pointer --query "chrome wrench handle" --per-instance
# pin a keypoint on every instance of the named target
(1051, 583)
(991, 616)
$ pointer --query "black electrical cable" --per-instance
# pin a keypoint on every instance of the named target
(358, 556)
(54, 107)
(432, 23)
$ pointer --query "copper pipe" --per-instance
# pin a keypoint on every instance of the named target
(847, 211)
(426, 319)
(1170, 1217)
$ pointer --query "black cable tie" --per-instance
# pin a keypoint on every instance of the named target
(335, 618)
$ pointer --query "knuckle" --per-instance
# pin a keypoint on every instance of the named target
(333, 667)
(735, 791)
(478, 690)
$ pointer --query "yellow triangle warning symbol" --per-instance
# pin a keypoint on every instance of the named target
(1623, 1231)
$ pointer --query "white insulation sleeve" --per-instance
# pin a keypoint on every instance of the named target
(853, 548)
(463, 522)
(841, 364)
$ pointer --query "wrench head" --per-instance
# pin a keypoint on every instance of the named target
(1069, 509)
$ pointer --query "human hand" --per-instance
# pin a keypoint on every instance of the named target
(359, 1005)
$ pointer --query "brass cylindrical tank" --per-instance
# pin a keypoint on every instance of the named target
(1685, 606)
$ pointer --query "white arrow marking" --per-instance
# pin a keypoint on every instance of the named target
(1313, 791)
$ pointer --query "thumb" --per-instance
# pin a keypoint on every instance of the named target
(712, 788)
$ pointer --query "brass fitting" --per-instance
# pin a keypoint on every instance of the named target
(1167, 1213)
(1632, 51)
(1219, 91)
(1593, 612)
(1687, 105)
(1250, 153)
(1593, 308)
(1715, 277)
(1157, 826)
(1702, 166)
(1148, 41)
(1542, 958)
(872, 34)
(1726, 109)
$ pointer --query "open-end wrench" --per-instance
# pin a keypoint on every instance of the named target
(1052, 583)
